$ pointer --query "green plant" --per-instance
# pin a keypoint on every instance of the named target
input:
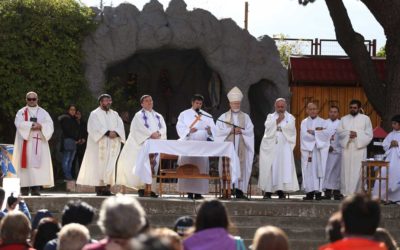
(40, 50)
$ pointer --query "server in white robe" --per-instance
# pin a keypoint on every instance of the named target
(277, 169)
(31, 156)
(243, 135)
(105, 135)
(146, 124)
(333, 165)
(355, 133)
(195, 124)
(314, 152)
(392, 152)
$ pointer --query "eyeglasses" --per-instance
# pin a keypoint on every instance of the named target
(31, 99)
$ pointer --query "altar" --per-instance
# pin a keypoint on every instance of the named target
(231, 167)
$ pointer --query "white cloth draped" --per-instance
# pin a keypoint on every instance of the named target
(315, 147)
(128, 173)
(393, 156)
(333, 164)
(185, 148)
(223, 131)
(98, 164)
(185, 120)
(277, 168)
(353, 150)
(39, 170)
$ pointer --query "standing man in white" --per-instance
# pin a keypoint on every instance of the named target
(392, 152)
(331, 185)
(314, 152)
(244, 138)
(355, 133)
(106, 133)
(31, 157)
(146, 124)
(277, 168)
(192, 125)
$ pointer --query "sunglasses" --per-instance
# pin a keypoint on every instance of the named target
(31, 99)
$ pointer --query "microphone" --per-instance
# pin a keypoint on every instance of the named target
(198, 111)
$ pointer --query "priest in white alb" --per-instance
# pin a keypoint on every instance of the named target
(277, 169)
(331, 185)
(31, 156)
(242, 136)
(355, 133)
(195, 124)
(105, 135)
(146, 124)
(392, 153)
(314, 148)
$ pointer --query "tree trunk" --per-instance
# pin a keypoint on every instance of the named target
(387, 14)
(353, 44)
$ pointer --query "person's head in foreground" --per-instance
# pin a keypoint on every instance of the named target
(212, 214)
(15, 228)
(73, 236)
(121, 218)
(270, 238)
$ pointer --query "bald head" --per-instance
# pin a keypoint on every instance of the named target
(280, 105)
(312, 109)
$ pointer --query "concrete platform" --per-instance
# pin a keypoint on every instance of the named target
(303, 221)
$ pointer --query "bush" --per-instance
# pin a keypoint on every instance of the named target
(40, 50)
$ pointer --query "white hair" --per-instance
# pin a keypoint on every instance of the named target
(121, 217)
(280, 99)
(31, 93)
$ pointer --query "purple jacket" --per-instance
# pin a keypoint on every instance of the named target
(210, 239)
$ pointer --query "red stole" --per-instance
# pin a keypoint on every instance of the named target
(24, 145)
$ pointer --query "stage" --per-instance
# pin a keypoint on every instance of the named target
(303, 221)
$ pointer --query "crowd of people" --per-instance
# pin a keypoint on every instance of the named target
(331, 150)
(125, 226)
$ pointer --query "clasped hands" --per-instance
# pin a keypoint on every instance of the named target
(155, 135)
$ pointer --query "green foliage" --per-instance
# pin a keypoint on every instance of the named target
(124, 93)
(287, 48)
(381, 52)
(40, 50)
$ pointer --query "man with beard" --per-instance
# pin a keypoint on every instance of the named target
(355, 133)
(106, 132)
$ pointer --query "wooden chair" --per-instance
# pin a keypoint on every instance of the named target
(186, 171)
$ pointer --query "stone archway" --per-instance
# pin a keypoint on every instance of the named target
(238, 58)
(171, 77)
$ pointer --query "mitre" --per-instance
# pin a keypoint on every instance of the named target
(235, 95)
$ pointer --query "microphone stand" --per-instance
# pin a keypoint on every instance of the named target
(234, 133)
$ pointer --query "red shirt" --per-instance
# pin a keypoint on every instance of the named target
(16, 247)
(354, 244)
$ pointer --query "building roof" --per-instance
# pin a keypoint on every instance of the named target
(327, 70)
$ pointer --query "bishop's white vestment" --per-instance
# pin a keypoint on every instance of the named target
(244, 143)
(98, 164)
(277, 168)
(354, 151)
(31, 157)
(143, 124)
(314, 153)
(187, 119)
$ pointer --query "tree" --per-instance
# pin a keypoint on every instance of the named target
(287, 48)
(383, 96)
(381, 52)
(40, 50)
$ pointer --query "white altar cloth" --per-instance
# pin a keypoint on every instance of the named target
(185, 148)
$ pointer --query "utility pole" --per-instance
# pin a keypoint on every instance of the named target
(246, 15)
(101, 5)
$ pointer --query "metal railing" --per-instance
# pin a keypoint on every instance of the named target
(321, 47)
